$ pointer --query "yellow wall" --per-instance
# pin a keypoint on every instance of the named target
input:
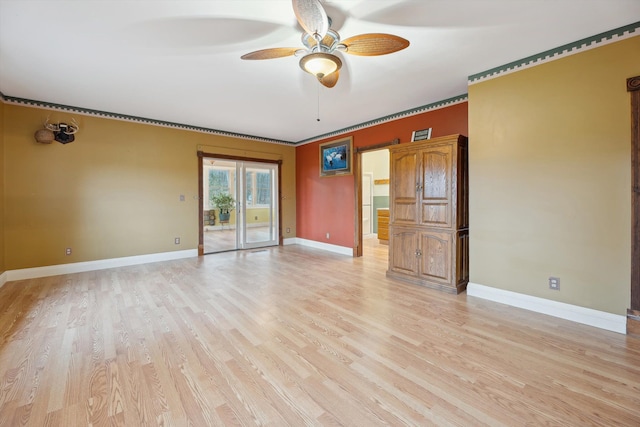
(254, 216)
(2, 160)
(114, 192)
(258, 215)
(549, 155)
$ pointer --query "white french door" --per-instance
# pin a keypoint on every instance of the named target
(259, 206)
(253, 222)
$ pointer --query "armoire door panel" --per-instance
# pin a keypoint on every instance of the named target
(437, 186)
(435, 214)
(404, 183)
(404, 203)
(436, 256)
(404, 211)
(402, 254)
(436, 166)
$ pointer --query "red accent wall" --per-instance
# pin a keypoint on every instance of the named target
(326, 205)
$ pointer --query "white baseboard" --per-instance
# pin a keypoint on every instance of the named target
(3, 278)
(290, 241)
(586, 316)
(342, 250)
(79, 267)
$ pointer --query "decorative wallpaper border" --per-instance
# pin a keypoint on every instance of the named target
(127, 118)
(124, 117)
(412, 112)
(631, 30)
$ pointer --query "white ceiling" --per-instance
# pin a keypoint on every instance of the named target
(179, 61)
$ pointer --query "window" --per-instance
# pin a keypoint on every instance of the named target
(263, 188)
(258, 188)
(249, 189)
(218, 183)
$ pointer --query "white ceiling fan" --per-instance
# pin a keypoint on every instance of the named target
(321, 42)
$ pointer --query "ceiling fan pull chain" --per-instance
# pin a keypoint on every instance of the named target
(318, 118)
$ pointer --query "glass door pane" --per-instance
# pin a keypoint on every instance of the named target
(220, 220)
(260, 205)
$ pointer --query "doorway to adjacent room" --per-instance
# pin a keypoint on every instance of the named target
(371, 169)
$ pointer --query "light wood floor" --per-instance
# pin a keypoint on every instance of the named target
(296, 336)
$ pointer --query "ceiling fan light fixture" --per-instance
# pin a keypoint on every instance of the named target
(320, 64)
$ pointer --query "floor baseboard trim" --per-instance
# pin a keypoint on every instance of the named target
(290, 241)
(79, 267)
(3, 278)
(574, 313)
(324, 246)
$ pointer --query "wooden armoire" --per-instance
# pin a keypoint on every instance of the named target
(429, 213)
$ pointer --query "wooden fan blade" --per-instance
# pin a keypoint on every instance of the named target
(277, 52)
(330, 80)
(311, 16)
(374, 44)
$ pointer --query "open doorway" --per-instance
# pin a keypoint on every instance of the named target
(373, 201)
(250, 216)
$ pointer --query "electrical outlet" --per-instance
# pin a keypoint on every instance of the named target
(177, 240)
(67, 251)
(554, 283)
(288, 230)
(182, 197)
(327, 235)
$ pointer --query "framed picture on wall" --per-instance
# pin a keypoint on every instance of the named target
(336, 157)
(419, 135)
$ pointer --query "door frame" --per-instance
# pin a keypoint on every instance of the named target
(370, 199)
(201, 155)
(357, 191)
(633, 313)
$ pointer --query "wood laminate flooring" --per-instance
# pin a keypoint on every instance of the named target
(293, 336)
